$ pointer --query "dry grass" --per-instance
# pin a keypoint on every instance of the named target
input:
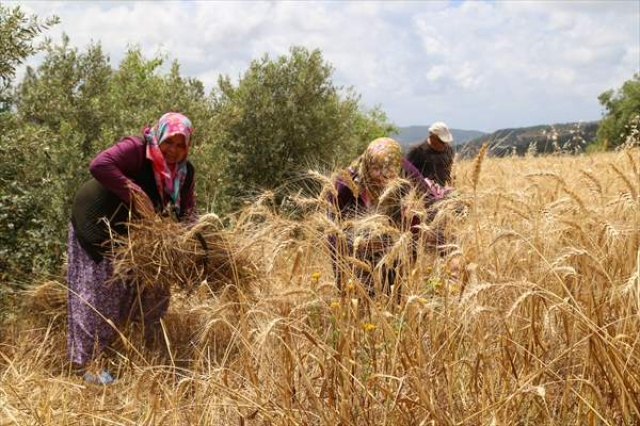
(163, 253)
(540, 327)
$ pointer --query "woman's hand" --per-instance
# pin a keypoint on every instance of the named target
(143, 205)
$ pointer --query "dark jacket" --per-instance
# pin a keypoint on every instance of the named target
(435, 165)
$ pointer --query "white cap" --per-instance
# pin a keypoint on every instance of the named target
(441, 131)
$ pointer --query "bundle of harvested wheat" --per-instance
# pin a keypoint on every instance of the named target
(166, 254)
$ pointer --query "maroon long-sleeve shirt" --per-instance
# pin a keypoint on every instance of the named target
(116, 167)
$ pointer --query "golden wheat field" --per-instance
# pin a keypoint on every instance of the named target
(538, 325)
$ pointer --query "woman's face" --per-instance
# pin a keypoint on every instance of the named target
(380, 176)
(174, 149)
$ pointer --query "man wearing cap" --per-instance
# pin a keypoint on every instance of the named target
(434, 156)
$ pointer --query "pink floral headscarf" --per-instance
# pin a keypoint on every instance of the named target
(169, 182)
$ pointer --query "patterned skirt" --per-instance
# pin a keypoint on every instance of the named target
(98, 305)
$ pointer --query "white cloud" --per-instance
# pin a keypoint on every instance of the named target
(436, 72)
(475, 64)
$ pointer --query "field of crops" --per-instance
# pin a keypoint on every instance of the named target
(532, 317)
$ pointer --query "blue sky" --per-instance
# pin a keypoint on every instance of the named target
(476, 65)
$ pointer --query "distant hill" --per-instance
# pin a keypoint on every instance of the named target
(572, 137)
(415, 134)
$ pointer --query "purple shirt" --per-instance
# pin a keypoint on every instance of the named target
(116, 167)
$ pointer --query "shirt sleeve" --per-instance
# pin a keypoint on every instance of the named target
(115, 167)
(413, 174)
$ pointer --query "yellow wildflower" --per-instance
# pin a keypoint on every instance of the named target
(367, 326)
(433, 283)
(350, 285)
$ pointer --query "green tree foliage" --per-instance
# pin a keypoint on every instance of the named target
(622, 110)
(286, 115)
(67, 91)
(17, 35)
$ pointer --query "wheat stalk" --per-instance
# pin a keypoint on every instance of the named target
(632, 188)
(477, 166)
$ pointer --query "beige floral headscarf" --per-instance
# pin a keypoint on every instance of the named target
(381, 159)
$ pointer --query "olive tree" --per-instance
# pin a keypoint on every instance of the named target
(284, 116)
(17, 42)
(622, 113)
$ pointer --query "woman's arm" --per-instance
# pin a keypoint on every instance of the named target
(412, 174)
(115, 167)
